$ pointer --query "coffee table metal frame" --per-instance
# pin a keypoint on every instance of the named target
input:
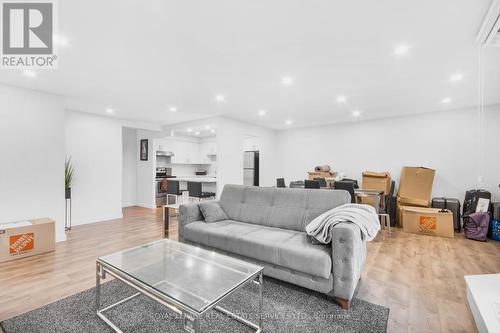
(191, 316)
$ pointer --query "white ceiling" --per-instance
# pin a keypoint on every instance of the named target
(141, 57)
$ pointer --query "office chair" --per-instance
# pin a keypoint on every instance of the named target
(321, 181)
(346, 186)
(280, 182)
(297, 184)
(356, 186)
(195, 191)
(311, 184)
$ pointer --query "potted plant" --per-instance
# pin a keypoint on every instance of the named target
(69, 170)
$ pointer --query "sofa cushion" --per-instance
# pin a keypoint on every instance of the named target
(285, 248)
(212, 211)
(282, 208)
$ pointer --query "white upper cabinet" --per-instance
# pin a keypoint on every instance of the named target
(208, 152)
(187, 152)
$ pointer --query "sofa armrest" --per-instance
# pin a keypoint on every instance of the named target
(188, 213)
(348, 259)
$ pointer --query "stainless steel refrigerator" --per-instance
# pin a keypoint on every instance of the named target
(251, 168)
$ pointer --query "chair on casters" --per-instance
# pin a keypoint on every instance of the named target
(173, 191)
(195, 191)
(311, 184)
(280, 182)
(346, 186)
(321, 181)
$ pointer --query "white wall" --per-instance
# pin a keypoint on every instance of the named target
(95, 145)
(233, 138)
(31, 156)
(129, 170)
(445, 141)
(146, 171)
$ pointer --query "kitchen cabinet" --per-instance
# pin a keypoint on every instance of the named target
(208, 152)
(185, 152)
(188, 152)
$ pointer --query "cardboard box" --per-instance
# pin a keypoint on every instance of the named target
(427, 221)
(26, 238)
(321, 174)
(375, 181)
(416, 184)
(402, 202)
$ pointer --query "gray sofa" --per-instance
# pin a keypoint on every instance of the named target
(267, 226)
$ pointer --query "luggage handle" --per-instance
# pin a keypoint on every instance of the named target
(444, 209)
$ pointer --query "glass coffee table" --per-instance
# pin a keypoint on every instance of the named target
(186, 279)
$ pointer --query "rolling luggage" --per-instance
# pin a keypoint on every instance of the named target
(494, 231)
(476, 226)
(451, 204)
(495, 210)
(472, 198)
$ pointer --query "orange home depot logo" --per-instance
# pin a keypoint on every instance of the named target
(428, 223)
(21, 243)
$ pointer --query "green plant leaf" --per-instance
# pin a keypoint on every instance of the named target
(69, 171)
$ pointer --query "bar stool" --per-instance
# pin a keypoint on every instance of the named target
(173, 191)
(195, 191)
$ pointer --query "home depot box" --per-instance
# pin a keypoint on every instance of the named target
(427, 221)
(403, 202)
(416, 184)
(375, 181)
(26, 238)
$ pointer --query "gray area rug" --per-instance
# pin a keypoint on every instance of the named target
(287, 308)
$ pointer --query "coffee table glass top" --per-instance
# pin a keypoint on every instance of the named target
(192, 276)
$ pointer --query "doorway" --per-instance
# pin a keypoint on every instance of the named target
(251, 168)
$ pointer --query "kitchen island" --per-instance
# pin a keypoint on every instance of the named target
(199, 179)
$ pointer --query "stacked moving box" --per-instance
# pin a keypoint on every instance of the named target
(415, 188)
(380, 181)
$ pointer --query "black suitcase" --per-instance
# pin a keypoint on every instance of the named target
(471, 199)
(453, 205)
(391, 210)
(495, 210)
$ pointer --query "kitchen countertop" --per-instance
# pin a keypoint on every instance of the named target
(200, 179)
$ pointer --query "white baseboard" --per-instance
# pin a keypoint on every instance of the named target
(96, 219)
(143, 205)
(60, 237)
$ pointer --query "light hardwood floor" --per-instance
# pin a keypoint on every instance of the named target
(420, 278)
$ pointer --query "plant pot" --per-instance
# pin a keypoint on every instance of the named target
(68, 193)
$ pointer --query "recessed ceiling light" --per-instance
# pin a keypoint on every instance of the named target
(356, 113)
(61, 40)
(287, 80)
(289, 122)
(197, 133)
(207, 127)
(172, 133)
(446, 100)
(173, 109)
(29, 73)
(189, 130)
(220, 98)
(341, 99)
(456, 77)
(401, 49)
(212, 130)
(110, 110)
(262, 113)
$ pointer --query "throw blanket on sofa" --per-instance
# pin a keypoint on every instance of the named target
(364, 216)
